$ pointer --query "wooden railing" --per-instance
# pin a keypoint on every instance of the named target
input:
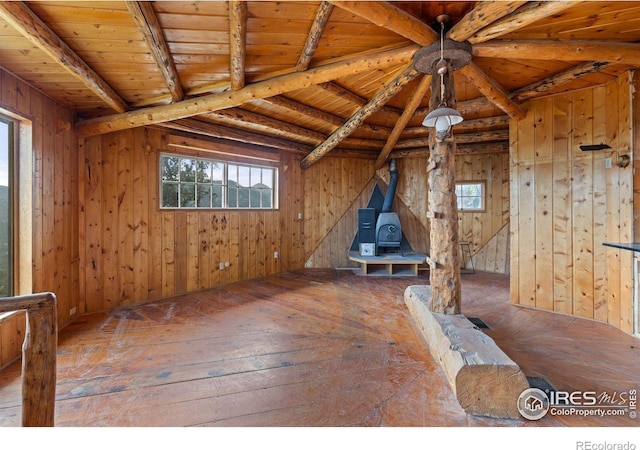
(38, 356)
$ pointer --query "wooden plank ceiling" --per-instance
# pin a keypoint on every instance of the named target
(310, 77)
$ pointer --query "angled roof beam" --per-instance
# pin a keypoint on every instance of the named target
(490, 89)
(416, 97)
(613, 52)
(541, 87)
(319, 23)
(381, 97)
(392, 18)
(349, 96)
(481, 16)
(145, 17)
(527, 14)
(319, 114)
(237, 42)
(263, 89)
(19, 16)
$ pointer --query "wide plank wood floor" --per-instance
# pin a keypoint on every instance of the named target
(309, 348)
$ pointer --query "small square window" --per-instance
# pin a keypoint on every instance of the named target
(470, 196)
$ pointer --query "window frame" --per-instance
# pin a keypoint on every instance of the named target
(12, 244)
(225, 163)
(483, 195)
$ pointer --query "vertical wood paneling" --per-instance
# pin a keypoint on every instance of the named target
(590, 205)
(599, 208)
(54, 205)
(626, 199)
(582, 195)
(562, 218)
(543, 135)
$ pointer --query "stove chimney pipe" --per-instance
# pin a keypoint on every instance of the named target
(391, 190)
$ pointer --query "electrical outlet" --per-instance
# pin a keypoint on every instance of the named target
(299, 216)
(221, 266)
(275, 255)
(72, 311)
(607, 163)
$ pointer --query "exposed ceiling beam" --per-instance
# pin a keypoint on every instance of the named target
(614, 52)
(486, 123)
(392, 18)
(490, 89)
(379, 99)
(416, 98)
(145, 18)
(527, 14)
(237, 42)
(349, 96)
(209, 129)
(461, 138)
(268, 88)
(541, 87)
(20, 17)
(461, 149)
(317, 28)
(481, 16)
(321, 115)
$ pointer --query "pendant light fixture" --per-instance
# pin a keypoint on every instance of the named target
(442, 118)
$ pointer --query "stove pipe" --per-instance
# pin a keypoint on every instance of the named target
(391, 190)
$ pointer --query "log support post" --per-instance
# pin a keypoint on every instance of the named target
(444, 277)
(38, 356)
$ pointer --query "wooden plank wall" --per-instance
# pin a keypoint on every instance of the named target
(479, 229)
(334, 188)
(332, 227)
(54, 204)
(565, 204)
(134, 252)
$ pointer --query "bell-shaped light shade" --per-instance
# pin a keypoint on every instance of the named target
(442, 119)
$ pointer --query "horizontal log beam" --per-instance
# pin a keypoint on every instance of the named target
(224, 132)
(275, 86)
(576, 50)
(461, 138)
(461, 149)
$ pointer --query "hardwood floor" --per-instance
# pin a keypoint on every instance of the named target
(311, 348)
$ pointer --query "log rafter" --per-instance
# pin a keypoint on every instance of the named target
(379, 99)
(613, 52)
(25, 21)
(417, 97)
(392, 18)
(147, 21)
(237, 42)
(317, 28)
(318, 114)
(268, 88)
(484, 14)
(345, 94)
(525, 15)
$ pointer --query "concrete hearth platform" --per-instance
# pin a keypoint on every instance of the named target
(485, 380)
